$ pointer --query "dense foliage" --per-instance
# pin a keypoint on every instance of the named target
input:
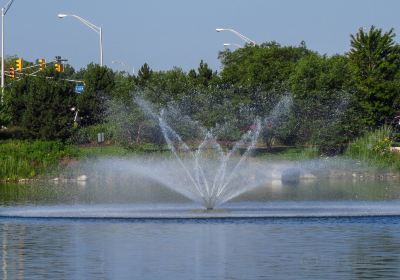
(335, 99)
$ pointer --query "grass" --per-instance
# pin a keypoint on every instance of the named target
(21, 159)
(27, 159)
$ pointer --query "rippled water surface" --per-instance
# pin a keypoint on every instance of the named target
(295, 248)
(310, 231)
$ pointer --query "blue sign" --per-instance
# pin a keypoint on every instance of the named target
(79, 88)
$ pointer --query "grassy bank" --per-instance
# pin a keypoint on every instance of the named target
(21, 159)
(27, 159)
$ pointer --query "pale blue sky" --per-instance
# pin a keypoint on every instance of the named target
(182, 32)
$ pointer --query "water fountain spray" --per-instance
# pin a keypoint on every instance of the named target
(214, 174)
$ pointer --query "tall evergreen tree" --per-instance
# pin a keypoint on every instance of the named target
(144, 75)
(375, 64)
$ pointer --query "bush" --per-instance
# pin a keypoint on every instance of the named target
(374, 148)
(42, 106)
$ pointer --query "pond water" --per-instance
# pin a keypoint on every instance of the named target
(314, 230)
(295, 248)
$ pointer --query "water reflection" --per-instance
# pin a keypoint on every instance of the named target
(376, 255)
(237, 249)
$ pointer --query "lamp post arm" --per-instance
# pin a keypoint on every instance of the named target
(88, 24)
(244, 38)
(7, 6)
(95, 28)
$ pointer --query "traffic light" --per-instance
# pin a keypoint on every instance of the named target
(19, 63)
(59, 67)
(42, 64)
(12, 72)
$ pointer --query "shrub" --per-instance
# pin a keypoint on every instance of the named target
(374, 148)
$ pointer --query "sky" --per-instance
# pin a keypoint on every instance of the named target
(182, 32)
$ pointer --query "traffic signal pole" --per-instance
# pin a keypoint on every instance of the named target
(2, 55)
(4, 11)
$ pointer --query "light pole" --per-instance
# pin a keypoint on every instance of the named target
(95, 28)
(4, 11)
(241, 36)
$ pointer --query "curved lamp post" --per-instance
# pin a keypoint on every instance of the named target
(241, 36)
(95, 28)
(4, 11)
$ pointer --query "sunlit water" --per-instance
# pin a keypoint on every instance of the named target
(313, 230)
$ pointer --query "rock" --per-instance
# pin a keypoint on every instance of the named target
(82, 178)
(307, 176)
(291, 176)
(395, 149)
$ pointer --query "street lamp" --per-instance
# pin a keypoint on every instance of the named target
(4, 11)
(241, 36)
(95, 28)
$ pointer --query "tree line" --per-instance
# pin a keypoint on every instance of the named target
(335, 98)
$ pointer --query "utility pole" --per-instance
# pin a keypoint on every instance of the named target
(4, 11)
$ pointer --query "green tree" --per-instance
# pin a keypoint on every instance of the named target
(99, 85)
(257, 77)
(42, 106)
(322, 109)
(265, 66)
(204, 74)
(124, 85)
(144, 75)
(166, 86)
(375, 63)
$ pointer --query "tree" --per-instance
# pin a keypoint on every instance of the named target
(144, 75)
(322, 109)
(375, 63)
(99, 84)
(124, 85)
(42, 107)
(259, 75)
(265, 66)
(205, 74)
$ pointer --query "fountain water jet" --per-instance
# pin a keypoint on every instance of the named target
(214, 174)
